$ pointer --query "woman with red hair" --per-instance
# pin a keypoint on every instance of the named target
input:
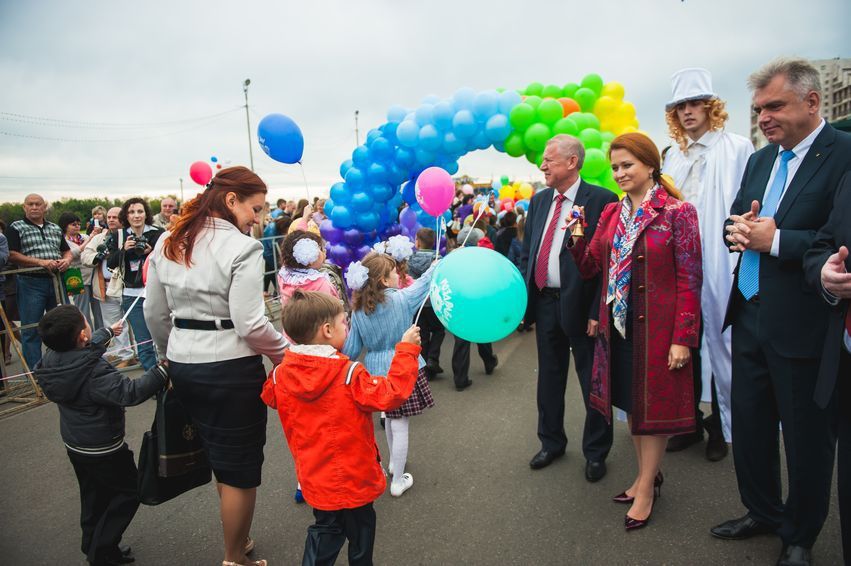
(647, 248)
(206, 314)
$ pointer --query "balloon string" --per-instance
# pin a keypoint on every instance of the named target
(473, 225)
(437, 238)
(304, 177)
(419, 312)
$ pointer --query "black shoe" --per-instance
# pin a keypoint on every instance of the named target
(683, 441)
(433, 370)
(544, 458)
(742, 528)
(795, 556)
(595, 471)
(492, 366)
(125, 550)
(464, 385)
(716, 447)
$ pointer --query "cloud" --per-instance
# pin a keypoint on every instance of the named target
(158, 61)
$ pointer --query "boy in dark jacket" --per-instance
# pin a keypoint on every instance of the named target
(91, 395)
(432, 331)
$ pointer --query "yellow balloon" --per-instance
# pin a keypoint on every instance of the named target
(605, 106)
(506, 192)
(626, 111)
(525, 191)
(613, 89)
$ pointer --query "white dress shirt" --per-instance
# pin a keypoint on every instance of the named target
(695, 155)
(553, 270)
(793, 165)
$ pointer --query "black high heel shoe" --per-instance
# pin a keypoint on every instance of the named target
(622, 497)
(631, 524)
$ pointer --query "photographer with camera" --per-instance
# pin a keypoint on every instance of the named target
(141, 237)
(95, 254)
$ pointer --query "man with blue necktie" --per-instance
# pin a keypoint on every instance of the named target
(779, 320)
(828, 267)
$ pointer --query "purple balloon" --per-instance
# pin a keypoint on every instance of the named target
(392, 230)
(332, 234)
(361, 252)
(408, 218)
(339, 254)
(353, 238)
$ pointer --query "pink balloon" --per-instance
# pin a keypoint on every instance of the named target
(435, 190)
(201, 172)
(508, 204)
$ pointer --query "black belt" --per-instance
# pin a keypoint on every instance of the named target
(550, 292)
(189, 324)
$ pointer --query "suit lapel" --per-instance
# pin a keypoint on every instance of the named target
(538, 233)
(817, 155)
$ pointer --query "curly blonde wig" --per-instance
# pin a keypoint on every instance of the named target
(717, 118)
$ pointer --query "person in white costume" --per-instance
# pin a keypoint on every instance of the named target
(707, 163)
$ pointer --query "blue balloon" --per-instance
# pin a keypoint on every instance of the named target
(328, 208)
(396, 113)
(380, 149)
(408, 133)
(480, 140)
(376, 173)
(430, 139)
(281, 138)
(431, 99)
(345, 166)
(360, 156)
(442, 114)
(341, 217)
(369, 221)
(361, 202)
(214, 159)
(389, 131)
(396, 175)
(372, 134)
(381, 192)
(463, 99)
(354, 178)
(524, 204)
(451, 143)
(409, 193)
(451, 167)
(478, 295)
(424, 158)
(497, 128)
(485, 105)
(423, 114)
(340, 194)
(464, 124)
(508, 100)
(404, 157)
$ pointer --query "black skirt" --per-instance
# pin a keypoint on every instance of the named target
(620, 368)
(223, 398)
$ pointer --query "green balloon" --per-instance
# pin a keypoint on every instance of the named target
(533, 101)
(551, 91)
(593, 121)
(536, 137)
(605, 147)
(591, 138)
(565, 126)
(534, 89)
(593, 82)
(550, 111)
(521, 116)
(607, 136)
(532, 157)
(569, 90)
(478, 294)
(586, 99)
(514, 145)
(504, 180)
(595, 163)
(581, 120)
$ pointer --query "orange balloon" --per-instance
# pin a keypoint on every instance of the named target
(569, 106)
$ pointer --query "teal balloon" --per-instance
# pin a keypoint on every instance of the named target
(478, 295)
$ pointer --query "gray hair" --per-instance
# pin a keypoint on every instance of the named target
(567, 146)
(800, 74)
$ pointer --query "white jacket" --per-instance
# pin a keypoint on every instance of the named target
(225, 281)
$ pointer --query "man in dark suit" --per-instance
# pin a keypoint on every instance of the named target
(778, 319)
(561, 304)
(827, 267)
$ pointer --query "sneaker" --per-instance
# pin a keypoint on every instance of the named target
(298, 497)
(397, 488)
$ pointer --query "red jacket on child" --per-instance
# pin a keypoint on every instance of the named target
(328, 423)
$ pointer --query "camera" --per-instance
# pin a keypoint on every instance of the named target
(102, 252)
(139, 243)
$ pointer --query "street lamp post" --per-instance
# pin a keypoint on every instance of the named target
(248, 121)
(357, 132)
(181, 190)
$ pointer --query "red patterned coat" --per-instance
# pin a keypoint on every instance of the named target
(665, 299)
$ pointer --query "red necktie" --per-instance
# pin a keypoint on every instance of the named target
(546, 246)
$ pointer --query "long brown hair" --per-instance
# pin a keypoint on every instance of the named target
(241, 181)
(645, 151)
(368, 297)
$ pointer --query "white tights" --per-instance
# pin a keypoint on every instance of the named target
(397, 441)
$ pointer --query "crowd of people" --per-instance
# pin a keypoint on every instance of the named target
(720, 276)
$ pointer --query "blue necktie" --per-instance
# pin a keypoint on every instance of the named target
(749, 270)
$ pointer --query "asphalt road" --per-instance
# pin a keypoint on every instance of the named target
(474, 500)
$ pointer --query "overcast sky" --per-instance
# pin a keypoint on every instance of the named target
(174, 70)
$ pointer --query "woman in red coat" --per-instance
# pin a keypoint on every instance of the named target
(648, 249)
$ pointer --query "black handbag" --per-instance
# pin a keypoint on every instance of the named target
(172, 459)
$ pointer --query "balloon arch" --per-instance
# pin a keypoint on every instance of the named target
(382, 173)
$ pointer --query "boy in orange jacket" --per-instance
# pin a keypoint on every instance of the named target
(325, 402)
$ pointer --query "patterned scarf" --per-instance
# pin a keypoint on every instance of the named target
(620, 260)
